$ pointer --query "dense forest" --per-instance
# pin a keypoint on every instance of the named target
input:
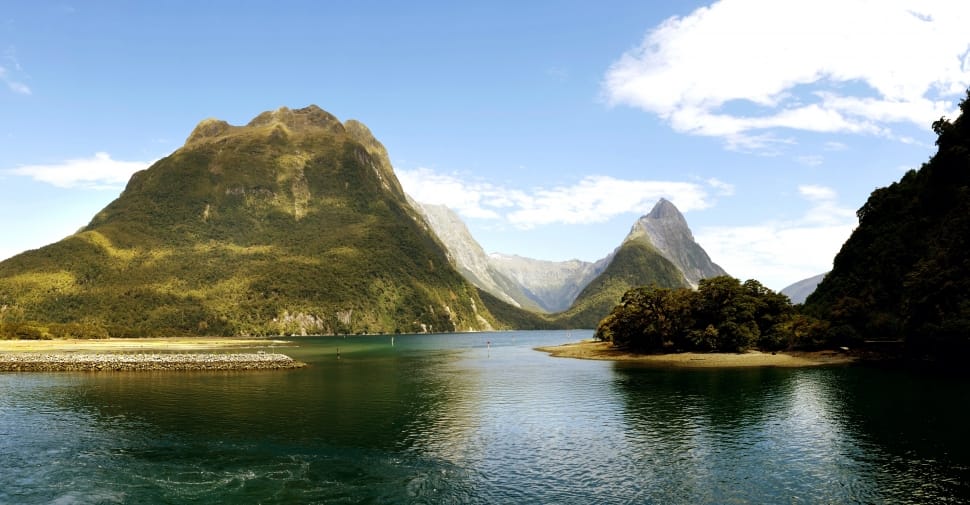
(904, 274)
(722, 315)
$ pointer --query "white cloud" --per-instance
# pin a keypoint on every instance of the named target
(847, 66)
(594, 199)
(779, 253)
(97, 172)
(817, 193)
(469, 199)
(13, 85)
(723, 188)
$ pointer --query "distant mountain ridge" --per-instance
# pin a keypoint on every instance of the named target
(553, 285)
(801, 290)
(660, 249)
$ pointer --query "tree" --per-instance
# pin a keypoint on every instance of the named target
(722, 315)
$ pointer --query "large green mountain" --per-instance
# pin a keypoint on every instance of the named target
(659, 251)
(292, 223)
(905, 271)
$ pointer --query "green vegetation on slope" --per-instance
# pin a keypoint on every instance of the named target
(294, 223)
(722, 315)
(905, 271)
(636, 263)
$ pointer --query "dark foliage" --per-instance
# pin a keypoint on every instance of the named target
(722, 315)
(904, 274)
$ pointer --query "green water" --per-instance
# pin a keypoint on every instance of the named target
(451, 419)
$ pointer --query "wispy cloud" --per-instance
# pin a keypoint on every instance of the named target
(12, 84)
(742, 70)
(593, 199)
(722, 188)
(99, 172)
(12, 62)
(779, 253)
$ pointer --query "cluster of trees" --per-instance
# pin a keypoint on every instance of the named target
(722, 315)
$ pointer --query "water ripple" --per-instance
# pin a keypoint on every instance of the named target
(453, 420)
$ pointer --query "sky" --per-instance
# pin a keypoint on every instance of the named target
(550, 127)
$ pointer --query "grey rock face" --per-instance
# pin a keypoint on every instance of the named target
(666, 229)
(468, 257)
(553, 285)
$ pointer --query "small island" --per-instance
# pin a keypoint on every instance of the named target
(723, 323)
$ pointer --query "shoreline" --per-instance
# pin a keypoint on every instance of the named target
(595, 350)
(147, 354)
(110, 362)
(137, 344)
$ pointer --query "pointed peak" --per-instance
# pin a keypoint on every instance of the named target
(664, 209)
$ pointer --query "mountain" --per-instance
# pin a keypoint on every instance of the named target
(904, 273)
(666, 229)
(659, 250)
(530, 284)
(292, 223)
(468, 257)
(553, 285)
(800, 290)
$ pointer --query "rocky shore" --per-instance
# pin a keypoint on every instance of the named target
(62, 362)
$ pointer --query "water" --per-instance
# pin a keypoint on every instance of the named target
(448, 419)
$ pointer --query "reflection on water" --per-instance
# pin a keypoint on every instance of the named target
(454, 419)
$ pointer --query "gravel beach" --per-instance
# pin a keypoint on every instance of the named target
(58, 362)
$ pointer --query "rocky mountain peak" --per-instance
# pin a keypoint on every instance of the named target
(666, 229)
(662, 221)
(282, 122)
(666, 210)
(299, 120)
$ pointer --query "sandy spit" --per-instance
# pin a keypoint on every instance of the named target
(591, 349)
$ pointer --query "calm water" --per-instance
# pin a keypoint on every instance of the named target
(445, 419)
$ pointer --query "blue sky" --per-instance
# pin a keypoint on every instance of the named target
(549, 126)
